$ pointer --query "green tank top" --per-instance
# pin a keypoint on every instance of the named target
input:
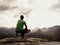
(20, 25)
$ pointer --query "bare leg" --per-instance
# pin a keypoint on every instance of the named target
(22, 36)
(16, 34)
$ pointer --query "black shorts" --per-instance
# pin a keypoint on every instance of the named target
(24, 31)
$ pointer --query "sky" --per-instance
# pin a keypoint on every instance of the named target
(37, 13)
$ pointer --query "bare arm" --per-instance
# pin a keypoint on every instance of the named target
(25, 25)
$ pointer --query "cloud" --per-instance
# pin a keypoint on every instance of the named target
(6, 1)
(24, 11)
(4, 7)
(57, 6)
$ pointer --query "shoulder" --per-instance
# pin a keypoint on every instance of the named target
(24, 22)
(18, 20)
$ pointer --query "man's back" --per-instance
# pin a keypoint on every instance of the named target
(20, 25)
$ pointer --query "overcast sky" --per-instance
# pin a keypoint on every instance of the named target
(39, 13)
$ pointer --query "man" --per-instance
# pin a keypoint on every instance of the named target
(20, 25)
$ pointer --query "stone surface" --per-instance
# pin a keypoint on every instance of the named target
(27, 41)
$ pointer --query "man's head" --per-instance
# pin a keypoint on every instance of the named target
(22, 17)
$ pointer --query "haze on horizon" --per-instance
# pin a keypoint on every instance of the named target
(38, 13)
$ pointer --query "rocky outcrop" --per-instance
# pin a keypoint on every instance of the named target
(18, 39)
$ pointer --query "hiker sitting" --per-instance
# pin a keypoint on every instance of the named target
(20, 25)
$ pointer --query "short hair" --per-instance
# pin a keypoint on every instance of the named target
(22, 17)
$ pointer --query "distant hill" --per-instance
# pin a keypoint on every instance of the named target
(51, 33)
(54, 32)
(6, 32)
